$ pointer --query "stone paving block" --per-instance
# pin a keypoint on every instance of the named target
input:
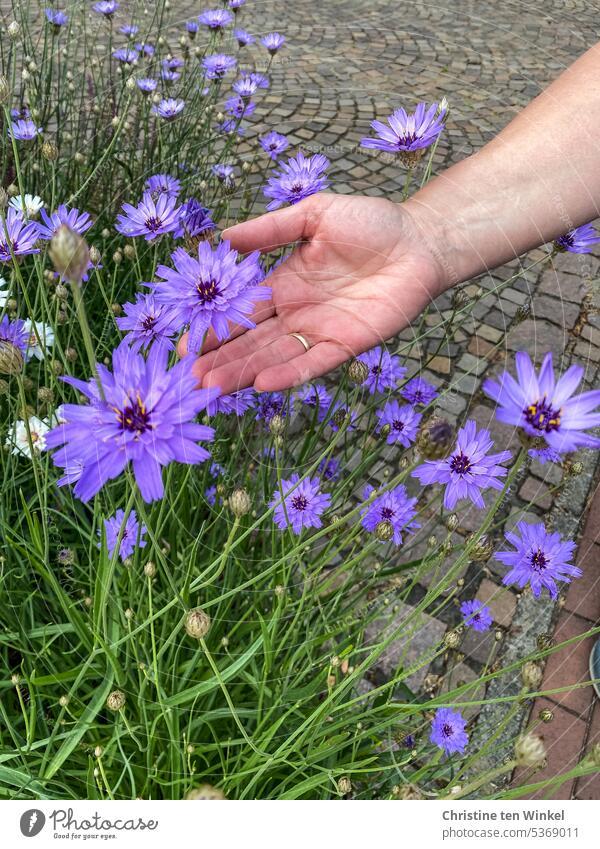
(583, 594)
(568, 666)
(588, 787)
(536, 493)
(501, 601)
(456, 677)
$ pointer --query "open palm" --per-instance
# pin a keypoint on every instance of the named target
(359, 274)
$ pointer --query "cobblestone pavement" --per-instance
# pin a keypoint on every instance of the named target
(348, 61)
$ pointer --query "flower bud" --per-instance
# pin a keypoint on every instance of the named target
(452, 640)
(11, 358)
(13, 190)
(3, 198)
(50, 151)
(358, 371)
(543, 641)
(95, 255)
(239, 502)
(69, 253)
(384, 531)
(460, 298)
(546, 715)
(531, 675)
(4, 90)
(14, 30)
(482, 550)
(523, 312)
(149, 569)
(129, 251)
(116, 700)
(197, 623)
(452, 522)
(344, 785)
(277, 424)
(530, 751)
(435, 438)
(205, 792)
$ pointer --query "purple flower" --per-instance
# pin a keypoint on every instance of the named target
(132, 531)
(274, 144)
(329, 469)
(194, 220)
(73, 218)
(301, 508)
(217, 65)
(169, 76)
(126, 55)
(173, 63)
(269, 404)
(243, 38)
(224, 173)
(408, 132)
(317, 396)
(148, 49)
(419, 391)
(237, 402)
(168, 109)
(147, 85)
(144, 416)
(17, 234)
(258, 79)
(384, 370)
(215, 19)
(273, 41)
(476, 615)
(106, 7)
(239, 107)
(57, 18)
(469, 468)
(403, 423)
(545, 455)
(298, 178)
(448, 731)
(192, 27)
(129, 29)
(579, 240)
(394, 508)
(14, 333)
(540, 558)
(210, 291)
(162, 184)
(149, 218)
(147, 322)
(211, 495)
(236, 5)
(245, 86)
(544, 407)
(24, 129)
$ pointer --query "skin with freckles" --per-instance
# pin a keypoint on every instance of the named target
(364, 268)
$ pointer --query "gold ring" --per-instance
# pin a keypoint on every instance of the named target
(301, 338)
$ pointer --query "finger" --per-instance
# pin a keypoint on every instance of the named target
(262, 311)
(276, 229)
(239, 348)
(321, 359)
(242, 372)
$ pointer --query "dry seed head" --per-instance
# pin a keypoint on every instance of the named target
(344, 785)
(358, 371)
(116, 700)
(531, 675)
(530, 751)
(452, 640)
(197, 623)
(205, 792)
(13, 29)
(239, 502)
(11, 358)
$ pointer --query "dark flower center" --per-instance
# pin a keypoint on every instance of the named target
(207, 290)
(447, 730)
(299, 502)
(398, 425)
(149, 322)
(387, 513)
(153, 223)
(539, 561)
(460, 464)
(407, 138)
(134, 417)
(296, 188)
(542, 416)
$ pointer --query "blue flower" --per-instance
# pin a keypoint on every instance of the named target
(148, 321)
(476, 615)
(579, 240)
(298, 178)
(384, 370)
(539, 559)
(149, 218)
(448, 731)
(131, 535)
(302, 507)
(403, 423)
(394, 508)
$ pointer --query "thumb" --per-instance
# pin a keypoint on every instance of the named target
(276, 229)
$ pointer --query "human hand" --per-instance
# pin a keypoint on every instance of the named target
(360, 274)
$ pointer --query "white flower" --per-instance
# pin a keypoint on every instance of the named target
(4, 292)
(45, 334)
(59, 415)
(19, 439)
(30, 204)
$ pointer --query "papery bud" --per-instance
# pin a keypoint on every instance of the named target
(149, 569)
(341, 418)
(530, 751)
(435, 438)
(452, 640)
(117, 257)
(4, 90)
(277, 424)
(482, 550)
(69, 253)
(3, 198)
(95, 255)
(452, 522)
(13, 190)
(384, 531)
(531, 675)
(344, 785)
(197, 623)
(546, 715)
(11, 358)
(460, 298)
(78, 157)
(239, 502)
(407, 792)
(523, 312)
(13, 30)
(544, 641)
(358, 371)
(45, 395)
(116, 700)
(49, 151)
(3, 387)
(205, 792)
(129, 251)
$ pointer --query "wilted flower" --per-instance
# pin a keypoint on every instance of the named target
(77, 221)
(540, 559)
(147, 321)
(393, 507)
(215, 19)
(22, 433)
(408, 135)
(144, 416)
(544, 407)
(210, 291)
(419, 392)
(384, 369)
(448, 731)
(469, 468)
(273, 41)
(24, 129)
(299, 177)
(217, 65)
(476, 615)
(579, 240)
(274, 144)
(131, 531)
(150, 218)
(301, 508)
(17, 234)
(403, 423)
(169, 108)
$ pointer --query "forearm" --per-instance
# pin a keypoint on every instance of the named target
(537, 179)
